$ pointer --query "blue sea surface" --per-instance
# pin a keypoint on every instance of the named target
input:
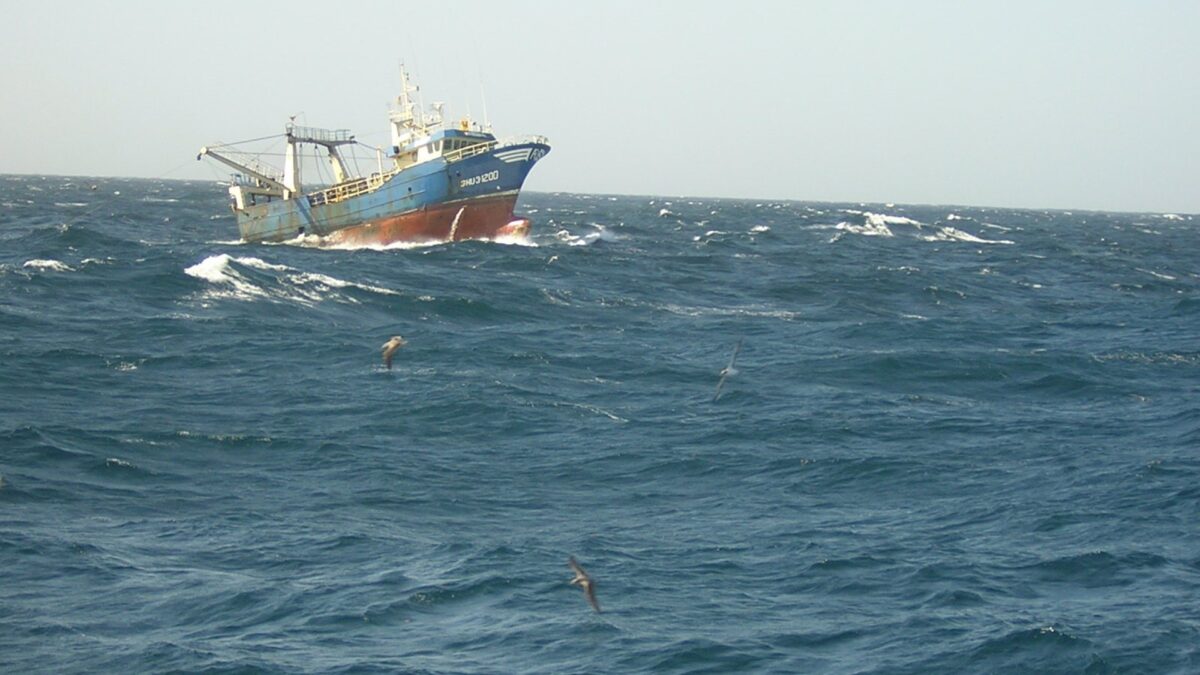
(958, 440)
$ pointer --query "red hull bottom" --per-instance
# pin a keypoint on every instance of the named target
(482, 218)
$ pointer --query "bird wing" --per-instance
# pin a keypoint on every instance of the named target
(589, 592)
(736, 350)
(720, 383)
(585, 581)
(728, 370)
(576, 568)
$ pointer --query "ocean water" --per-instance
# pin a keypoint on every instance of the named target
(958, 440)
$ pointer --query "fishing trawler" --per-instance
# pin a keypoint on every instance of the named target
(441, 182)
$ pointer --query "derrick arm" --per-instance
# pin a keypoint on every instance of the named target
(262, 177)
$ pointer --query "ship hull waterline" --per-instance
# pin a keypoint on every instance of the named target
(477, 218)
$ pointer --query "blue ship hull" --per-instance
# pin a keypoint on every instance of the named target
(437, 200)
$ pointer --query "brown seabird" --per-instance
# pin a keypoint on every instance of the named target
(585, 582)
(390, 347)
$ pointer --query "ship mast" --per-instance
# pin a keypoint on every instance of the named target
(408, 122)
(329, 139)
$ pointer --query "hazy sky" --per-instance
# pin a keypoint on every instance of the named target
(1049, 103)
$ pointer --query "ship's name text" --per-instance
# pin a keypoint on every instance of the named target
(481, 178)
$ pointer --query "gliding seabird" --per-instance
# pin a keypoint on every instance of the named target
(585, 582)
(728, 371)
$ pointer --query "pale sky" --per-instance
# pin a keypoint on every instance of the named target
(1087, 104)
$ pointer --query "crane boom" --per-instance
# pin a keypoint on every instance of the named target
(269, 180)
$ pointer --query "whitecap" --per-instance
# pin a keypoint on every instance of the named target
(594, 409)
(753, 311)
(881, 218)
(869, 230)
(600, 233)
(556, 297)
(759, 229)
(303, 287)
(259, 263)
(334, 282)
(1157, 275)
(955, 234)
(216, 269)
(49, 265)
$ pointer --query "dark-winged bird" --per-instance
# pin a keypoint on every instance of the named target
(585, 582)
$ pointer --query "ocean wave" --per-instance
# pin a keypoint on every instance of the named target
(875, 224)
(1043, 649)
(599, 233)
(48, 265)
(751, 311)
(1096, 568)
(955, 234)
(923, 467)
(284, 284)
(1151, 358)
(869, 230)
(1157, 275)
(218, 269)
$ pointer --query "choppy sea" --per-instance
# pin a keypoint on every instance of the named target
(957, 440)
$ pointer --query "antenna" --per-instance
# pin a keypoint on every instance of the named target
(487, 121)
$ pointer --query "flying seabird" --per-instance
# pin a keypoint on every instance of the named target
(728, 371)
(390, 347)
(585, 582)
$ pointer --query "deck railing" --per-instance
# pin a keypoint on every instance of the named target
(469, 151)
(318, 135)
(521, 140)
(353, 188)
